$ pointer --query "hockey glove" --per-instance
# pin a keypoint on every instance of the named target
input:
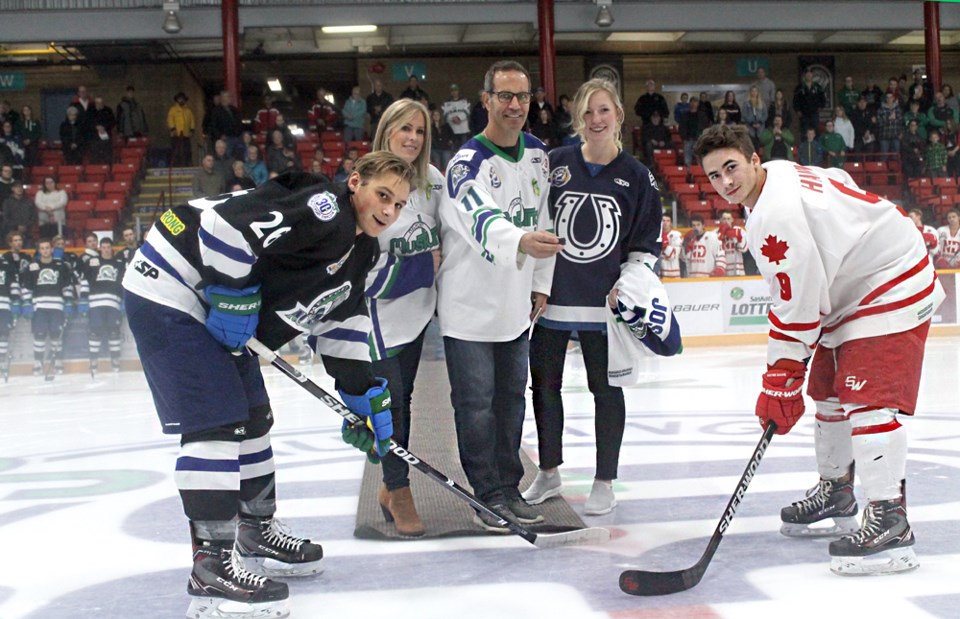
(941, 263)
(689, 241)
(360, 436)
(83, 306)
(718, 272)
(15, 309)
(68, 310)
(374, 406)
(781, 398)
(735, 234)
(233, 315)
(723, 230)
(930, 240)
(26, 310)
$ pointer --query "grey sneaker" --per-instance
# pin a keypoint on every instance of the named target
(489, 523)
(523, 512)
(544, 487)
(601, 500)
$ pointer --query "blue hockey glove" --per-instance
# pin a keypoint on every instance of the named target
(26, 310)
(15, 309)
(374, 407)
(83, 306)
(233, 315)
(68, 309)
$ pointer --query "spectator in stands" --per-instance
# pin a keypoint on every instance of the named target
(940, 112)
(206, 127)
(441, 140)
(779, 106)
(913, 113)
(7, 180)
(951, 142)
(280, 124)
(843, 126)
(863, 118)
(51, 208)
(890, 124)
(869, 146)
(650, 102)
(951, 99)
(691, 126)
(354, 116)
(874, 96)
(734, 114)
(100, 147)
(326, 116)
(808, 100)
(131, 119)
(227, 124)
(766, 86)
(810, 151)
(656, 136)
(82, 102)
(848, 96)
(545, 129)
(777, 141)
(917, 94)
(681, 107)
(19, 213)
(222, 161)
(266, 118)
(8, 113)
(253, 167)
(755, 115)
(478, 115)
(703, 251)
(834, 148)
(238, 178)
(30, 133)
(181, 123)
(346, 167)
(539, 102)
(10, 139)
(705, 106)
(377, 101)
(413, 90)
(277, 153)
(723, 117)
(456, 115)
(893, 87)
(101, 114)
(912, 147)
(73, 136)
(130, 244)
(208, 181)
(935, 156)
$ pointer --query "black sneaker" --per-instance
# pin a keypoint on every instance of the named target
(219, 578)
(266, 547)
(523, 511)
(830, 503)
(881, 546)
(494, 525)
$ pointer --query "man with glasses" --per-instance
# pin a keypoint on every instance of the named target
(494, 278)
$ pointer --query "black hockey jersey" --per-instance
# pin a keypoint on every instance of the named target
(602, 218)
(296, 238)
(9, 281)
(47, 284)
(101, 281)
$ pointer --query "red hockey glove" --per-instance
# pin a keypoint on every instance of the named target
(781, 398)
(723, 229)
(718, 272)
(941, 263)
(689, 241)
(930, 240)
(735, 234)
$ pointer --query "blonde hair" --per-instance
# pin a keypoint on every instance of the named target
(582, 99)
(393, 117)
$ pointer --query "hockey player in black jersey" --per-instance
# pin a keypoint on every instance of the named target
(9, 307)
(47, 286)
(101, 290)
(286, 258)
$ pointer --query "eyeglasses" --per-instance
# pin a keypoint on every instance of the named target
(507, 97)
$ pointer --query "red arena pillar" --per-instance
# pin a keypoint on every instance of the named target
(548, 52)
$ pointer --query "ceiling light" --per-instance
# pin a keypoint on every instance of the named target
(273, 84)
(171, 23)
(348, 29)
(604, 17)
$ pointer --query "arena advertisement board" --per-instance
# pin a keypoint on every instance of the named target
(745, 303)
(696, 305)
(946, 314)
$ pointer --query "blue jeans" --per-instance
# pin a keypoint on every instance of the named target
(890, 147)
(352, 134)
(487, 383)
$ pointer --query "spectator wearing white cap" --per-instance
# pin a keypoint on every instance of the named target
(456, 113)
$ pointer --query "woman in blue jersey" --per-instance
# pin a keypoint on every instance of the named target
(402, 294)
(606, 208)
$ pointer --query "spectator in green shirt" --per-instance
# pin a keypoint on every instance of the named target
(935, 156)
(848, 96)
(834, 148)
(777, 141)
(914, 113)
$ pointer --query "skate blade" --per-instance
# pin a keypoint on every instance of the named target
(831, 527)
(219, 608)
(265, 566)
(891, 561)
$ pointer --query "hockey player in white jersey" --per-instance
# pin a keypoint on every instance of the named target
(852, 286)
(734, 244)
(671, 241)
(703, 251)
(929, 234)
(948, 242)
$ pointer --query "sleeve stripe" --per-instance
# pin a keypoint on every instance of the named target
(382, 276)
(776, 335)
(154, 256)
(232, 252)
(792, 326)
(888, 307)
(481, 221)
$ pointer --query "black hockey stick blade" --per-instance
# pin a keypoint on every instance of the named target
(591, 535)
(642, 582)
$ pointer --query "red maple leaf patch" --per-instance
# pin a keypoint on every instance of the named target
(774, 249)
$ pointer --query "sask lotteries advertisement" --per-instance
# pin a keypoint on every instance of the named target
(745, 303)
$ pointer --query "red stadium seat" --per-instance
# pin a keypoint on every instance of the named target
(89, 191)
(96, 173)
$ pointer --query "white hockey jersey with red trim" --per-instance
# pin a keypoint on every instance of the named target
(670, 255)
(733, 248)
(949, 246)
(842, 263)
(705, 255)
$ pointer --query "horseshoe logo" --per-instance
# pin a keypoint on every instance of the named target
(590, 224)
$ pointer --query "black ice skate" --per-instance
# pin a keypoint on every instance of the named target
(224, 589)
(266, 547)
(94, 366)
(883, 545)
(114, 365)
(828, 510)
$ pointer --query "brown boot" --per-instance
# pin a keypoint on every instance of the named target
(398, 507)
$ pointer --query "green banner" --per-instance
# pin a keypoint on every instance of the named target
(12, 82)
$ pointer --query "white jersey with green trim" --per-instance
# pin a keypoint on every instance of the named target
(490, 202)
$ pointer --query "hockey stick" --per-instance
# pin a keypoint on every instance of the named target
(592, 535)
(641, 582)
